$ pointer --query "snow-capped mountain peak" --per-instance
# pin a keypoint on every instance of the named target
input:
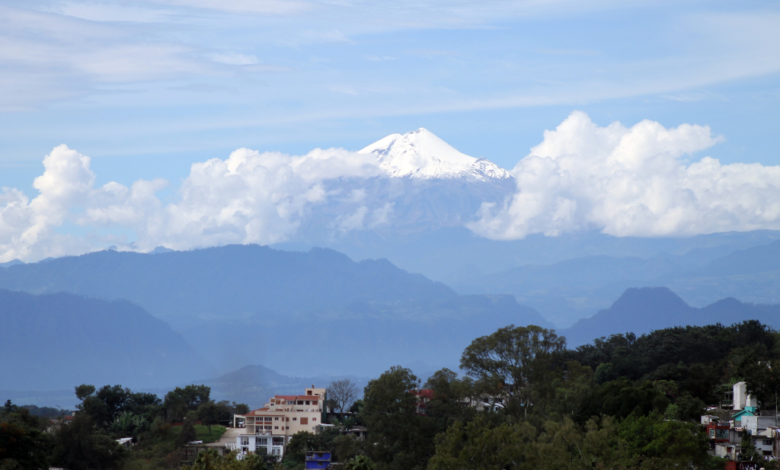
(420, 154)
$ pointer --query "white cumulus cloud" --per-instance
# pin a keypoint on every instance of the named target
(637, 181)
(250, 197)
(632, 182)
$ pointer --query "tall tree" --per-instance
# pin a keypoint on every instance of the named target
(399, 438)
(23, 444)
(343, 393)
(179, 401)
(82, 445)
(512, 359)
(209, 413)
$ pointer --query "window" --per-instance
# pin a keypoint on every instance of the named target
(288, 427)
(295, 419)
(276, 427)
(268, 418)
(304, 420)
(767, 442)
(244, 441)
(300, 402)
(288, 419)
(290, 402)
(262, 441)
(308, 402)
(314, 419)
(308, 392)
(276, 419)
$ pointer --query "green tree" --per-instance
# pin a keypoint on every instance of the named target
(82, 445)
(22, 443)
(188, 433)
(479, 445)
(514, 359)
(209, 413)
(451, 397)
(398, 437)
(360, 462)
(211, 460)
(83, 391)
(179, 401)
(674, 442)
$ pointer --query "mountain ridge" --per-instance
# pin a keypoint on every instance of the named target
(642, 310)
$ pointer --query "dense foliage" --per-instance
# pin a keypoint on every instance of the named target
(623, 402)
(526, 402)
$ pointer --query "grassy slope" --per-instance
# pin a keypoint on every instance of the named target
(203, 432)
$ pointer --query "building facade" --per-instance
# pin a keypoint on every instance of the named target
(272, 426)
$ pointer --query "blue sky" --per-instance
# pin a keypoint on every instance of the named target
(147, 88)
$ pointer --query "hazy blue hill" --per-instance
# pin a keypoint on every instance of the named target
(58, 341)
(754, 260)
(572, 289)
(363, 338)
(229, 281)
(455, 254)
(641, 310)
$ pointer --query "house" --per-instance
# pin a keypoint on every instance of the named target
(717, 432)
(272, 426)
(423, 397)
(317, 460)
(743, 400)
(746, 423)
(759, 428)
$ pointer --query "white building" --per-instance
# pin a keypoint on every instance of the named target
(740, 395)
(272, 426)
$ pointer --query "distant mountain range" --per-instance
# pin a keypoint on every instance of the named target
(579, 287)
(58, 341)
(229, 282)
(319, 313)
(643, 310)
(241, 305)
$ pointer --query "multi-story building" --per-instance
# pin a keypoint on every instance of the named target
(272, 426)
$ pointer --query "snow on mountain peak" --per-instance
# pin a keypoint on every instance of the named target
(420, 154)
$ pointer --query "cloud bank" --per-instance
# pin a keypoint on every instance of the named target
(250, 197)
(622, 181)
(632, 182)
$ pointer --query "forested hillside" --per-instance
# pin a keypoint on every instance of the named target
(526, 402)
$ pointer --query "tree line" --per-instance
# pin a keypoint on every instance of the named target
(524, 401)
(87, 440)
